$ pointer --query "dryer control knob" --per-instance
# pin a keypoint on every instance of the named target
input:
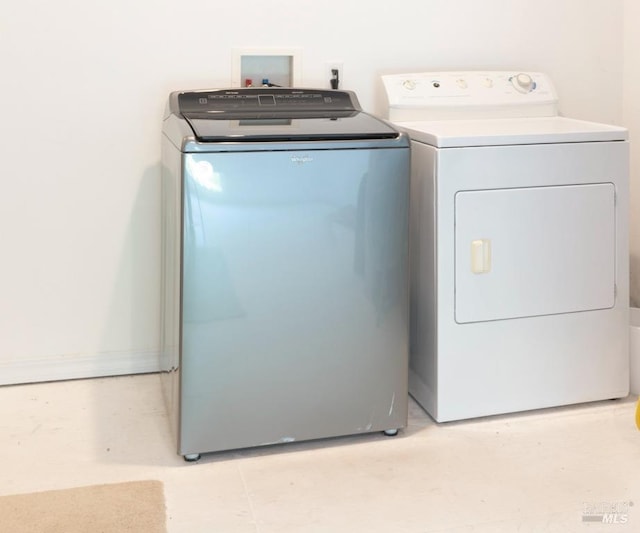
(409, 84)
(523, 83)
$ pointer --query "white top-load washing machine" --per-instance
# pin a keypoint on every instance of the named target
(519, 229)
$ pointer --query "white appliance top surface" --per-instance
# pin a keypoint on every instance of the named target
(478, 108)
(509, 131)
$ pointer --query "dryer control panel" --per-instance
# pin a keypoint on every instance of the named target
(476, 94)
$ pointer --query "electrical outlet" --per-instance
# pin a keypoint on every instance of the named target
(334, 72)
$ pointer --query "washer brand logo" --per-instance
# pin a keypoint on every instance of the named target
(301, 159)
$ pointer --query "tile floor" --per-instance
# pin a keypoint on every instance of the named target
(536, 471)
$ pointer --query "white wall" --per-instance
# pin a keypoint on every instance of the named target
(631, 116)
(82, 91)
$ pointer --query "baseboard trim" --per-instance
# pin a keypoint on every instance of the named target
(63, 367)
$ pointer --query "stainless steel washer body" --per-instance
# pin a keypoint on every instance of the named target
(285, 268)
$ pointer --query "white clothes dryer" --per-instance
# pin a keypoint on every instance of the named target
(519, 245)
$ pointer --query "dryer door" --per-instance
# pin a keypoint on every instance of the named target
(534, 251)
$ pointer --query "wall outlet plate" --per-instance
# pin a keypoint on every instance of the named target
(329, 67)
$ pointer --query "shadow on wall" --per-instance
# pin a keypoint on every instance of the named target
(634, 281)
(131, 332)
(133, 322)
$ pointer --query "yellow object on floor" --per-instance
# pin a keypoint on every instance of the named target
(638, 414)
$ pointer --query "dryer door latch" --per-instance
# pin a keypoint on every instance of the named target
(480, 256)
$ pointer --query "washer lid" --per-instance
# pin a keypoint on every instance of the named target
(277, 114)
(501, 132)
(354, 126)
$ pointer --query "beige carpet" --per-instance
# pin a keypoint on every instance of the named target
(135, 506)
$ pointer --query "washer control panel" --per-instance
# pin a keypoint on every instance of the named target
(489, 93)
(280, 99)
